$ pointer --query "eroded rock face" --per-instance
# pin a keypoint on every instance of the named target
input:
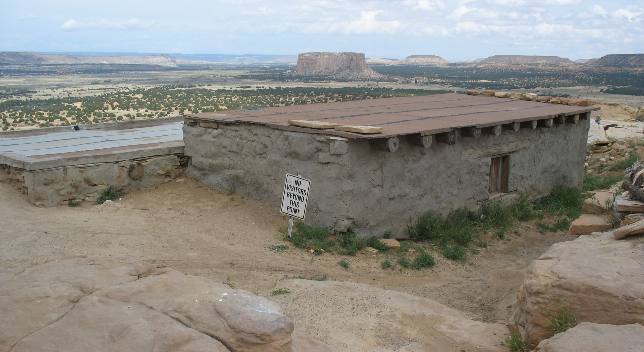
(82, 305)
(595, 277)
(339, 65)
(356, 317)
(589, 337)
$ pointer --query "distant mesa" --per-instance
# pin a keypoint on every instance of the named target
(525, 60)
(26, 58)
(425, 60)
(345, 65)
(619, 60)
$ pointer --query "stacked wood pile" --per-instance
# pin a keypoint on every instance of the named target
(630, 205)
(531, 97)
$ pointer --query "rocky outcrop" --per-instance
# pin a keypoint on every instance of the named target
(619, 60)
(26, 58)
(82, 305)
(589, 337)
(595, 278)
(524, 60)
(425, 60)
(356, 317)
(337, 65)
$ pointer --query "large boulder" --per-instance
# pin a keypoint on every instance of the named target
(82, 305)
(357, 317)
(595, 278)
(590, 337)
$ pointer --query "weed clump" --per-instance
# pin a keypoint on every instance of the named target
(423, 260)
(515, 342)
(319, 240)
(344, 263)
(280, 291)
(109, 193)
(594, 182)
(387, 264)
(563, 320)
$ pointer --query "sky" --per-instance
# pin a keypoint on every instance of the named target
(456, 30)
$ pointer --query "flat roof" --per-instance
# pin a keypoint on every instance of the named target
(427, 114)
(40, 151)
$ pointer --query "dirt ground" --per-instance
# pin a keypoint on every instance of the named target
(200, 231)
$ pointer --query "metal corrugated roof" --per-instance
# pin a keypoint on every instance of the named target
(430, 114)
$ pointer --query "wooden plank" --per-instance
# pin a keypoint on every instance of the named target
(359, 129)
(318, 125)
(622, 205)
(633, 229)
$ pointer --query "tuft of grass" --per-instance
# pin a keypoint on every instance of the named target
(495, 215)
(310, 237)
(404, 262)
(374, 242)
(387, 264)
(624, 163)
(344, 263)
(109, 193)
(73, 203)
(516, 343)
(453, 251)
(277, 248)
(563, 320)
(423, 260)
(280, 291)
(562, 201)
(594, 182)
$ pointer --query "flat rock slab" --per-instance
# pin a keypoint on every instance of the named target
(84, 305)
(589, 223)
(599, 202)
(356, 317)
(589, 337)
(596, 278)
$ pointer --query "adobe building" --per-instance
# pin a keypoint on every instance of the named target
(427, 153)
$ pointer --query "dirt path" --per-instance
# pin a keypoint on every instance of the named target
(202, 232)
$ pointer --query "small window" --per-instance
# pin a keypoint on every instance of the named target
(499, 174)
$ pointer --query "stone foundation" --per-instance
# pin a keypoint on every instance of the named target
(358, 183)
(59, 185)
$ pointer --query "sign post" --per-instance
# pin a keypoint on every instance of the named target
(294, 198)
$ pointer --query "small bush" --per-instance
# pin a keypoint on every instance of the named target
(277, 248)
(496, 215)
(563, 320)
(423, 260)
(373, 242)
(109, 193)
(344, 263)
(280, 291)
(72, 203)
(594, 182)
(516, 343)
(348, 243)
(309, 237)
(453, 251)
(387, 264)
(562, 201)
(404, 262)
(625, 163)
(523, 210)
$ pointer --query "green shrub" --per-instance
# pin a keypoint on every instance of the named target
(348, 243)
(387, 264)
(344, 263)
(73, 203)
(516, 343)
(423, 260)
(310, 237)
(594, 182)
(404, 262)
(280, 291)
(624, 163)
(453, 251)
(563, 320)
(562, 201)
(496, 215)
(109, 193)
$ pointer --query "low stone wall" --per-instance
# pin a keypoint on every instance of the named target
(54, 186)
(356, 184)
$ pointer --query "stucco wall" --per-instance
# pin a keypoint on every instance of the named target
(376, 190)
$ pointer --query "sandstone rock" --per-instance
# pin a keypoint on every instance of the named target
(599, 279)
(390, 243)
(339, 65)
(357, 317)
(83, 305)
(599, 202)
(589, 337)
(589, 223)
(502, 94)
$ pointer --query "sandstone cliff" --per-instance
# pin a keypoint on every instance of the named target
(425, 60)
(337, 65)
(619, 60)
(524, 60)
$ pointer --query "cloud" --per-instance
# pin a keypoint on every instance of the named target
(629, 15)
(131, 23)
(425, 5)
(366, 23)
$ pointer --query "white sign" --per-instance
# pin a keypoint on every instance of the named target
(295, 196)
